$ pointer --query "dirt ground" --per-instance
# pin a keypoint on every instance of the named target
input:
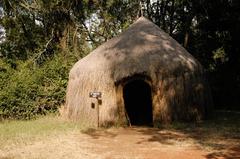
(124, 143)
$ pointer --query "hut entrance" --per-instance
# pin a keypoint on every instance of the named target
(138, 102)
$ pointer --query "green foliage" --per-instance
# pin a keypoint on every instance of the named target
(23, 36)
(220, 55)
(30, 90)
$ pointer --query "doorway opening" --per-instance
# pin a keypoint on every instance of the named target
(138, 103)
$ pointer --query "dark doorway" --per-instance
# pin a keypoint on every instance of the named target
(138, 102)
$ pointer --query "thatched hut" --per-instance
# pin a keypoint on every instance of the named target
(145, 77)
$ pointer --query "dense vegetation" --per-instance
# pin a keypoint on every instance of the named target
(40, 40)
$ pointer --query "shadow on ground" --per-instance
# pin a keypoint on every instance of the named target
(220, 136)
(96, 134)
(230, 153)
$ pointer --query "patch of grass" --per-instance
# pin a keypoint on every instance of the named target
(210, 134)
(20, 131)
(222, 122)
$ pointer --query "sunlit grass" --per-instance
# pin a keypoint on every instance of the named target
(15, 131)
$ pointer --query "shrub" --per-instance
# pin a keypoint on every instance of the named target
(30, 90)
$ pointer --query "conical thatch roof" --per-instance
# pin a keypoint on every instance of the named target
(142, 46)
(144, 51)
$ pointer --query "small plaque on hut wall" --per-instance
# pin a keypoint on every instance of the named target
(95, 94)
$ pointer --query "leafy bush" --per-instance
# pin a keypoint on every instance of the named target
(30, 90)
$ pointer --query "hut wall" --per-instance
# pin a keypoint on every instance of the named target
(79, 106)
(184, 97)
(181, 98)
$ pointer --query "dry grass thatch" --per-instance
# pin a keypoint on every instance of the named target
(143, 51)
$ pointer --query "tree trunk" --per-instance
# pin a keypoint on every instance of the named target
(186, 38)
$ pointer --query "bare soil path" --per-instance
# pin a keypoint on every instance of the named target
(126, 143)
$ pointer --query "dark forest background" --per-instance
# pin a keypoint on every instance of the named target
(40, 40)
